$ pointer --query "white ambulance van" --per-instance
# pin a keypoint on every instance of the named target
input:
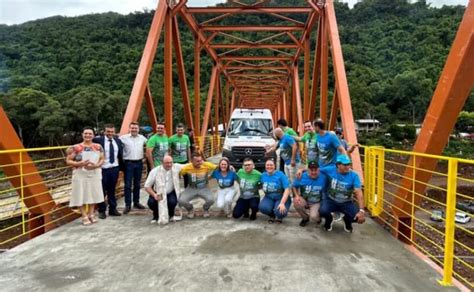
(249, 133)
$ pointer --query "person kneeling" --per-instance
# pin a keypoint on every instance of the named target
(163, 179)
(308, 192)
(344, 183)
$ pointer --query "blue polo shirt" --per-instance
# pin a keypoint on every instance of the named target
(327, 148)
(286, 148)
(225, 181)
(275, 183)
(311, 189)
(341, 186)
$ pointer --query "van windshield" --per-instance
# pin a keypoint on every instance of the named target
(250, 127)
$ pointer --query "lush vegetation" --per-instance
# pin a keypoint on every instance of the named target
(60, 74)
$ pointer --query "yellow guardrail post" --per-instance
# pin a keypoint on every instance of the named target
(367, 182)
(379, 169)
(450, 223)
(22, 193)
(413, 192)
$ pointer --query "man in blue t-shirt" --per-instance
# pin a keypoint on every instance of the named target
(343, 184)
(328, 145)
(308, 192)
(288, 151)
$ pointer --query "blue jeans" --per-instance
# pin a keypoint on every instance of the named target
(328, 205)
(242, 206)
(172, 201)
(133, 174)
(109, 182)
(269, 206)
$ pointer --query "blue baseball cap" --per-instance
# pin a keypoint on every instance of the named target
(343, 159)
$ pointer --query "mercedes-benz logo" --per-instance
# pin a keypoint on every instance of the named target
(248, 151)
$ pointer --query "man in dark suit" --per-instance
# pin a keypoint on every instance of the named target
(113, 152)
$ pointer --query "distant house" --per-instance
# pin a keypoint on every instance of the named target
(367, 125)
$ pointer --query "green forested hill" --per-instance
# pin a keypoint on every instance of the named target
(60, 74)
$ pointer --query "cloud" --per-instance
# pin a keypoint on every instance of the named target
(19, 11)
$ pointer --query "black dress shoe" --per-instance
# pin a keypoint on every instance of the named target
(138, 206)
(304, 222)
(102, 215)
(114, 213)
(126, 210)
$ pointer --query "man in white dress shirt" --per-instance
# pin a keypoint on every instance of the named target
(163, 186)
(133, 154)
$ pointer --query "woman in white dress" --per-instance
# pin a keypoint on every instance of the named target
(86, 159)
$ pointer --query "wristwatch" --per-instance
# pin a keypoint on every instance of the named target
(362, 210)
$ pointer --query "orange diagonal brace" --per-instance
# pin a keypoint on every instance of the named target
(141, 80)
(207, 111)
(299, 110)
(341, 86)
(182, 74)
(150, 107)
(454, 86)
(35, 192)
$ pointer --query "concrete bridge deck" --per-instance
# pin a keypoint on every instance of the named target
(215, 254)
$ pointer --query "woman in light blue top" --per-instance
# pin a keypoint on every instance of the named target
(225, 180)
(277, 191)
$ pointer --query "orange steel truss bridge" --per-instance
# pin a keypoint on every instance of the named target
(265, 72)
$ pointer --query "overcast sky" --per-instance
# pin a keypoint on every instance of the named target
(19, 11)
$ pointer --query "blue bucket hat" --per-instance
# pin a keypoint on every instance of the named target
(343, 159)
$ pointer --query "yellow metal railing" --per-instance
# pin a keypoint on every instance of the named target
(447, 243)
(212, 144)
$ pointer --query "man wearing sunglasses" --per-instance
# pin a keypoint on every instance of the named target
(344, 183)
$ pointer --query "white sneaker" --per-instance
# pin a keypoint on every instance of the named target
(153, 221)
(205, 214)
(190, 214)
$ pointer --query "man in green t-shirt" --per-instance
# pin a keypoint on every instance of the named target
(157, 146)
(180, 147)
(309, 140)
(249, 184)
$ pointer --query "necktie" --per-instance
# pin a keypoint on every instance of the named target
(111, 152)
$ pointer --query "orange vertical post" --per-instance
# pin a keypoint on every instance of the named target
(323, 102)
(307, 60)
(316, 69)
(168, 73)
(299, 110)
(197, 84)
(334, 110)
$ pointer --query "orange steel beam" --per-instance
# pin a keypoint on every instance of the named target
(35, 192)
(454, 86)
(232, 102)
(217, 100)
(168, 72)
(141, 79)
(150, 107)
(253, 28)
(207, 111)
(299, 109)
(220, 10)
(182, 74)
(256, 67)
(316, 68)
(342, 86)
(323, 99)
(197, 85)
(307, 59)
(334, 111)
(253, 46)
(256, 58)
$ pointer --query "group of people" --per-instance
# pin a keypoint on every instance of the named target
(322, 188)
